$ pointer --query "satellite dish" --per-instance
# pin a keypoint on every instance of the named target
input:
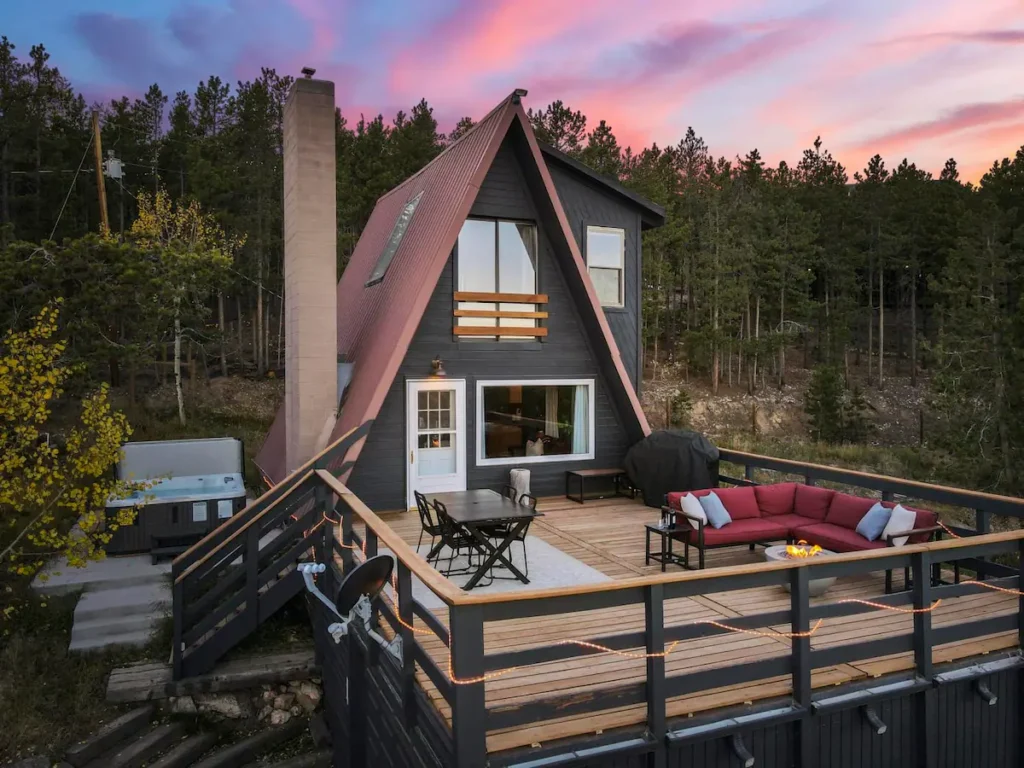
(367, 580)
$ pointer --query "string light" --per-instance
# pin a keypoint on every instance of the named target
(633, 654)
(893, 608)
(945, 527)
(994, 587)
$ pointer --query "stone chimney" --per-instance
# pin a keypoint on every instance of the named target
(310, 269)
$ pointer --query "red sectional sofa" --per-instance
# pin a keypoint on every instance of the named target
(790, 512)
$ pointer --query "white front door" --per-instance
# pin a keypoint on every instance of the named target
(435, 437)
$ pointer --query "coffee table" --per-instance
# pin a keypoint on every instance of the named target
(816, 587)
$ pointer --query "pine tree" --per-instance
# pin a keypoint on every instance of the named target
(561, 127)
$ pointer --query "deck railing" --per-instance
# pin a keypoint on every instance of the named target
(462, 684)
(243, 571)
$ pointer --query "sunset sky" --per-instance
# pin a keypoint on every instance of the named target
(924, 79)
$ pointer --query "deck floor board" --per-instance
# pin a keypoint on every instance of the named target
(608, 535)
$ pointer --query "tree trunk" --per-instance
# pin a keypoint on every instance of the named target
(757, 338)
(241, 328)
(913, 330)
(190, 367)
(258, 327)
(131, 382)
(223, 335)
(177, 365)
(881, 328)
(716, 354)
(871, 316)
(266, 335)
(782, 343)
(280, 335)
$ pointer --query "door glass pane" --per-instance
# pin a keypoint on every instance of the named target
(432, 422)
(434, 397)
(446, 419)
(446, 399)
(422, 441)
(422, 400)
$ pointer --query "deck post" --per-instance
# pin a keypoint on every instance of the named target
(252, 577)
(800, 649)
(346, 535)
(469, 713)
(404, 596)
(356, 693)
(1020, 600)
(178, 601)
(748, 473)
(982, 524)
(920, 563)
(654, 626)
(888, 496)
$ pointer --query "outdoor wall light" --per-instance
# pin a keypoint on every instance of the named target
(437, 367)
(876, 722)
(355, 598)
(740, 750)
(986, 693)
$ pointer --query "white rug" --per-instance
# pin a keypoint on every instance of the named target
(549, 567)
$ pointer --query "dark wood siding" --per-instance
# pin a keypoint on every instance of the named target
(586, 205)
(379, 476)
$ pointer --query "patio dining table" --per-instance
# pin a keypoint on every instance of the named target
(480, 509)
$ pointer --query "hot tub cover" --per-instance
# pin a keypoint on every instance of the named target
(672, 460)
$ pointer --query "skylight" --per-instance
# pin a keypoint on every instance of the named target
(401, 224)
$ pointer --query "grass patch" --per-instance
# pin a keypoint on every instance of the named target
(52, 698)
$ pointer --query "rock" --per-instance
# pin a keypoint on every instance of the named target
(282, 689)
(284, 701)
(295, 711)
(266, 712)
(310, 689)
(223, 704)
(181, 705)
(315, 680)
(279, 717)
(269, 695)
(304, 701)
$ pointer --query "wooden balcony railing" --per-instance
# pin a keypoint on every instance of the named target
(534, 330)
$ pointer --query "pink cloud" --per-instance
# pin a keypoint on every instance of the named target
(960, 119)
(322, 16)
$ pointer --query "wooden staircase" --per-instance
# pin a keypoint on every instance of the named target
(244, 571)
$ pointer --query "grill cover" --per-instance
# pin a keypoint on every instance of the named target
(672, 460)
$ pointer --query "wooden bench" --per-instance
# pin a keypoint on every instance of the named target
(618, 477)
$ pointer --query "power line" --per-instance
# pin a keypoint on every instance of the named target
(70, 188)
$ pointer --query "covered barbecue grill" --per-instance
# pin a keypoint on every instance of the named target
(672, 460)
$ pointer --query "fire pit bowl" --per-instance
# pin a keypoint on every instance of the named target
(817, 586)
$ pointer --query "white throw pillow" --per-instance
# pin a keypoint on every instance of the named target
(691, 505)
(901, 519)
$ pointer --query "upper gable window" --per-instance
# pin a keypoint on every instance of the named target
(606, 262)
(401, 224)
(496, 259)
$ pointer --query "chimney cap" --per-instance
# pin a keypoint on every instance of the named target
(518, 94)
(308, 72)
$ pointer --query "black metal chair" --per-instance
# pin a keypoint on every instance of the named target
(510, 493)
(428, 522)
(501, 531)
(455, 537)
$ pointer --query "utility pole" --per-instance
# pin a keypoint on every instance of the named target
(100, 188)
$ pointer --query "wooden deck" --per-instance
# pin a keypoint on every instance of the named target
(608, 535)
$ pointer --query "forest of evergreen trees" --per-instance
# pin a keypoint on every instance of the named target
(881, 272)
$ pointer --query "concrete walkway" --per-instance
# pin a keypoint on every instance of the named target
(123, 599)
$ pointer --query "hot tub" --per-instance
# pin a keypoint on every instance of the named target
(178, 508)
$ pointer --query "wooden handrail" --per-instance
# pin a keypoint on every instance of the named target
(387, 537)
(503, 330)
(502, 298)
(242, 529)
(475, 598)
(500, 313)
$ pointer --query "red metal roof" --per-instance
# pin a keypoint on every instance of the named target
(377, 323)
